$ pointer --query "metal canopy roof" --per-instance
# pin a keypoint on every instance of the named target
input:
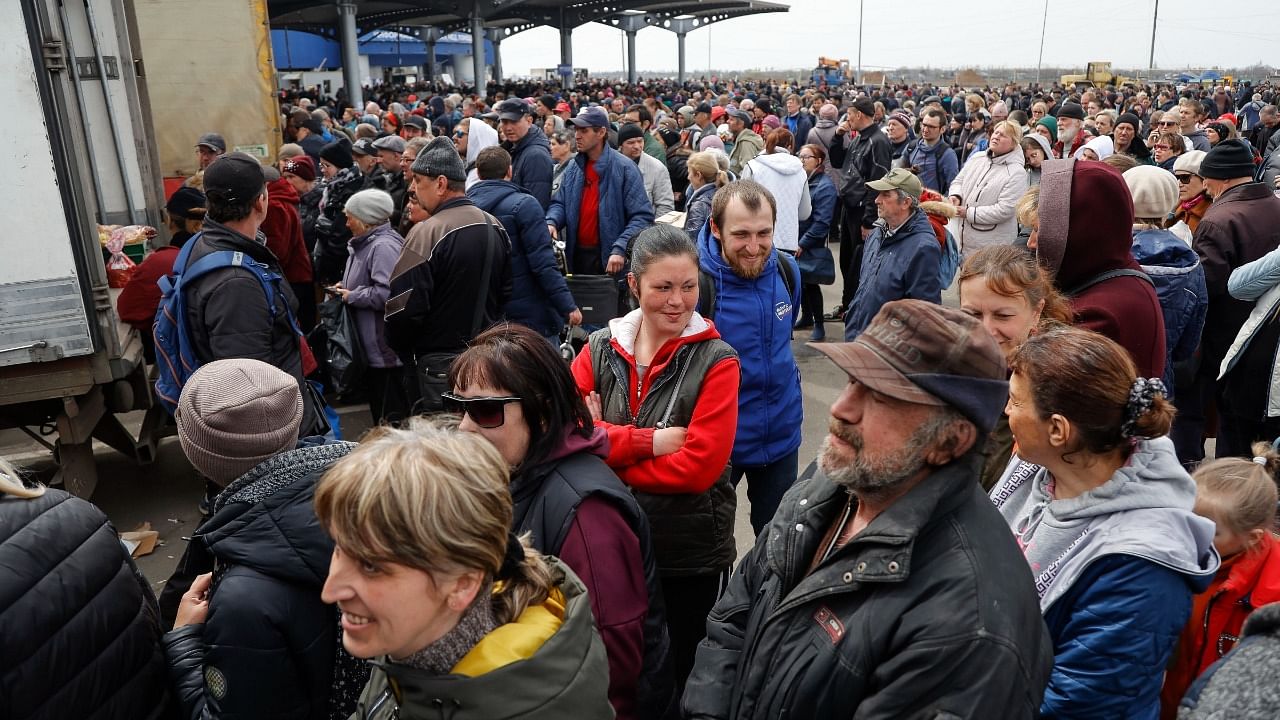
(504, 18)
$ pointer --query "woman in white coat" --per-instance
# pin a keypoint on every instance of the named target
(987, 189)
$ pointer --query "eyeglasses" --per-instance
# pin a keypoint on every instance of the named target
(459, 134)
(1184, 178)
(1161, 146)
(807, 157)
(927, 126)
(487, 412)
(1167, 123)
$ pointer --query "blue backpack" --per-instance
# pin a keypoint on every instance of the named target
(175, 357)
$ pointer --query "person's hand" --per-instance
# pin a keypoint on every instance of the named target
(616, 263)
(955, 201)
(593, 405)
(799, 250)
(668, 440)
(194, 607)
(962, 211)
(555, 234)
(341, 291)
(575, 317)
(866, 232)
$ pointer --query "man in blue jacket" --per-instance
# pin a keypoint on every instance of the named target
(531, 164)
(540, 298)
(756, 293)
(601, 204)
(902, 254)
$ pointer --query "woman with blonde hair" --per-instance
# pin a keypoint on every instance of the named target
(705, 177)
(1013, 297)
(986, 191)
(463, 618)
(80, 624)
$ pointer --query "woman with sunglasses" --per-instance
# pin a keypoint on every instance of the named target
(664, 386)
(512, 388)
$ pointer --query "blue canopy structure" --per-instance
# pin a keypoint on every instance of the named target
(298, 50)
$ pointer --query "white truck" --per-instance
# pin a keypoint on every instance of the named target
(78, 152)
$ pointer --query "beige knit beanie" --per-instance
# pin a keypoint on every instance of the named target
(234, 414)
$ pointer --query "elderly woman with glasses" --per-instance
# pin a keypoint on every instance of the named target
(513, 389)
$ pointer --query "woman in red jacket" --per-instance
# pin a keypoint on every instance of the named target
(1239, 495)
(664, 386)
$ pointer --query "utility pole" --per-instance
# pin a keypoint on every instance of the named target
(1044, 24)
(857, 78)
(1151, 62)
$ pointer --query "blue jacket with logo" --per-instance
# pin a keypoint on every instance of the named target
(902, 265)
(755, 318)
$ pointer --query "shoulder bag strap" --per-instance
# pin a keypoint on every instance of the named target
(485, 274)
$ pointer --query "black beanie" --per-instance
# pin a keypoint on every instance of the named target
(338, 154)
(1130, 119)
(1071, 110)
(1228, 160)
(628, 132)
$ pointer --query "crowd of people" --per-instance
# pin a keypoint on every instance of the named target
(1012, 514)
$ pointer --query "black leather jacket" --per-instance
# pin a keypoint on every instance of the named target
(930, 612)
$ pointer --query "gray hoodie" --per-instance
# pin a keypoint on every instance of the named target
(1144, 510)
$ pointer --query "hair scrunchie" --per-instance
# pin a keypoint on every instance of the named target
(513, 557)
(1142, 396)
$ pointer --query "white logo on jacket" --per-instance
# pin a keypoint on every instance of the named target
(782, 309)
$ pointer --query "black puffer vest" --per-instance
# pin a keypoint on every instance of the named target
(692, 534)
(546, 502)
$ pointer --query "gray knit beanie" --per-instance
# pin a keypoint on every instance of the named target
(438, 158)
(234, 414)
(371, 207)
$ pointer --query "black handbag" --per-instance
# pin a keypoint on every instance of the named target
(817, 266)
(433, 368)
(344, 351)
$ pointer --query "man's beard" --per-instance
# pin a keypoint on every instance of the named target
(1068, 134)
(876, 474)
(742, 271)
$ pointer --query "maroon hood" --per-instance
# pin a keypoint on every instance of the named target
(280, 191)
(1086, 221)
(597, 444)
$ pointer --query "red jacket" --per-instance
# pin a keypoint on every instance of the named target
(1244, 583)
(695, 466)
(141, 296)
(283, 228)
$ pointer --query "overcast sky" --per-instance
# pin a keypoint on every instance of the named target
(1191, 34)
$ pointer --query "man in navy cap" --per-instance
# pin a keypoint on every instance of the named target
(601, 204)
(531, 163)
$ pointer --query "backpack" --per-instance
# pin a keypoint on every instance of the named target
(175, 356)
(707, 287)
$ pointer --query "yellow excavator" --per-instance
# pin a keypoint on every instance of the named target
(1097, 75)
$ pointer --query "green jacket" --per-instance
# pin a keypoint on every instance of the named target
(746, 146)
(568, 677)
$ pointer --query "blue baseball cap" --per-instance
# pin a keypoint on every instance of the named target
(591, 117)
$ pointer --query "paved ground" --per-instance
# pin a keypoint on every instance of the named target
(165, 492)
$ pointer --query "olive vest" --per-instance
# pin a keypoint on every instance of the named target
(692, 533)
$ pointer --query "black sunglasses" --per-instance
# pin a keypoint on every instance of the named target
(487, 412)
(1185, 179)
